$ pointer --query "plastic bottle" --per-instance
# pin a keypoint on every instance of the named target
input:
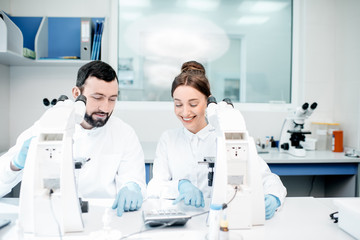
(224, 230)
(331, 128)
(337, 143)
(319, 131)
(267, 142)
(214, 221)
(272, 142)
(106, 233)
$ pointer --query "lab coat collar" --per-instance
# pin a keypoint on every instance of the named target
(202, 134)
(91, 132)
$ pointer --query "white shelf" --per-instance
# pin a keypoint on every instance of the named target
(11, 46)
(12, 59)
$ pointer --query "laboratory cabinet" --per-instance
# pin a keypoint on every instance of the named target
(318, 174)
(56, 41)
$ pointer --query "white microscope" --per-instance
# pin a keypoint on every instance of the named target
(237, 178)
(49, 205)
(292, 131)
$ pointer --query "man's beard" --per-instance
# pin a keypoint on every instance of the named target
(96, 123)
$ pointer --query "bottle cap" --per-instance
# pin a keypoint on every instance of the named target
(215, 206)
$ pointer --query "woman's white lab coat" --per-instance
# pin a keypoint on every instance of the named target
(114, 153)
(177, 156)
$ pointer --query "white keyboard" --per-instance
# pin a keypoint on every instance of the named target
(165, 217)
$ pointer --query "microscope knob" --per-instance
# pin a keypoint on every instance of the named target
(84, 205)
(285, 146)
(228, 101)
(63, 98)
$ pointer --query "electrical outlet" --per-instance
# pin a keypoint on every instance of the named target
(236, 151)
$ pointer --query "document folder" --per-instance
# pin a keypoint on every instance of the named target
(95, 54)
(86, 38)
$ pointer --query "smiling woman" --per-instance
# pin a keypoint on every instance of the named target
(190, 91)
(245, 46)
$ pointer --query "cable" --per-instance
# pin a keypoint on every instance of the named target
(199, 214)
(225, 205)
(312, 185)
(53, 213)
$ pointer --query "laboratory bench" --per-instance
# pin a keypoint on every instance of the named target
(299, 218)
(338, 172)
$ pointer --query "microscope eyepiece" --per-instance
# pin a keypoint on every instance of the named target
(211, 99)
(46, 102)
(81, 98)
(305, 106)
(54, 101)
(313, 105)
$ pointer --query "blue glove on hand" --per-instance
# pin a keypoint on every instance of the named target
(190, 194)
(271, 204)
(19, 160)
(129, 198)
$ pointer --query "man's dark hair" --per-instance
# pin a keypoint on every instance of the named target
(98, 69)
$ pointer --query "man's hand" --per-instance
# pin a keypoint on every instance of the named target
(19, 160)
(129, 198)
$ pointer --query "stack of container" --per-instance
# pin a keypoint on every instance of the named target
(329, 136)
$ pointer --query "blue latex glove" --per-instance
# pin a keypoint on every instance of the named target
(190, 194)
(19, 160)
(129, 198)
(271, 204)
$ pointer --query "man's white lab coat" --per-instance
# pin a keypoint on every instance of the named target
(114, 153)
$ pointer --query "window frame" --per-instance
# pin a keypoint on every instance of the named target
(297, 88)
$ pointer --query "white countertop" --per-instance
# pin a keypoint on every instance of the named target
(300, 218)
(274, 156)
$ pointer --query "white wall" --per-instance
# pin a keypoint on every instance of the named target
(28, 87)
(347, 86)
(332, 60)
(4, 107)
(319, 56)
(5, 5)
(326, 61)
